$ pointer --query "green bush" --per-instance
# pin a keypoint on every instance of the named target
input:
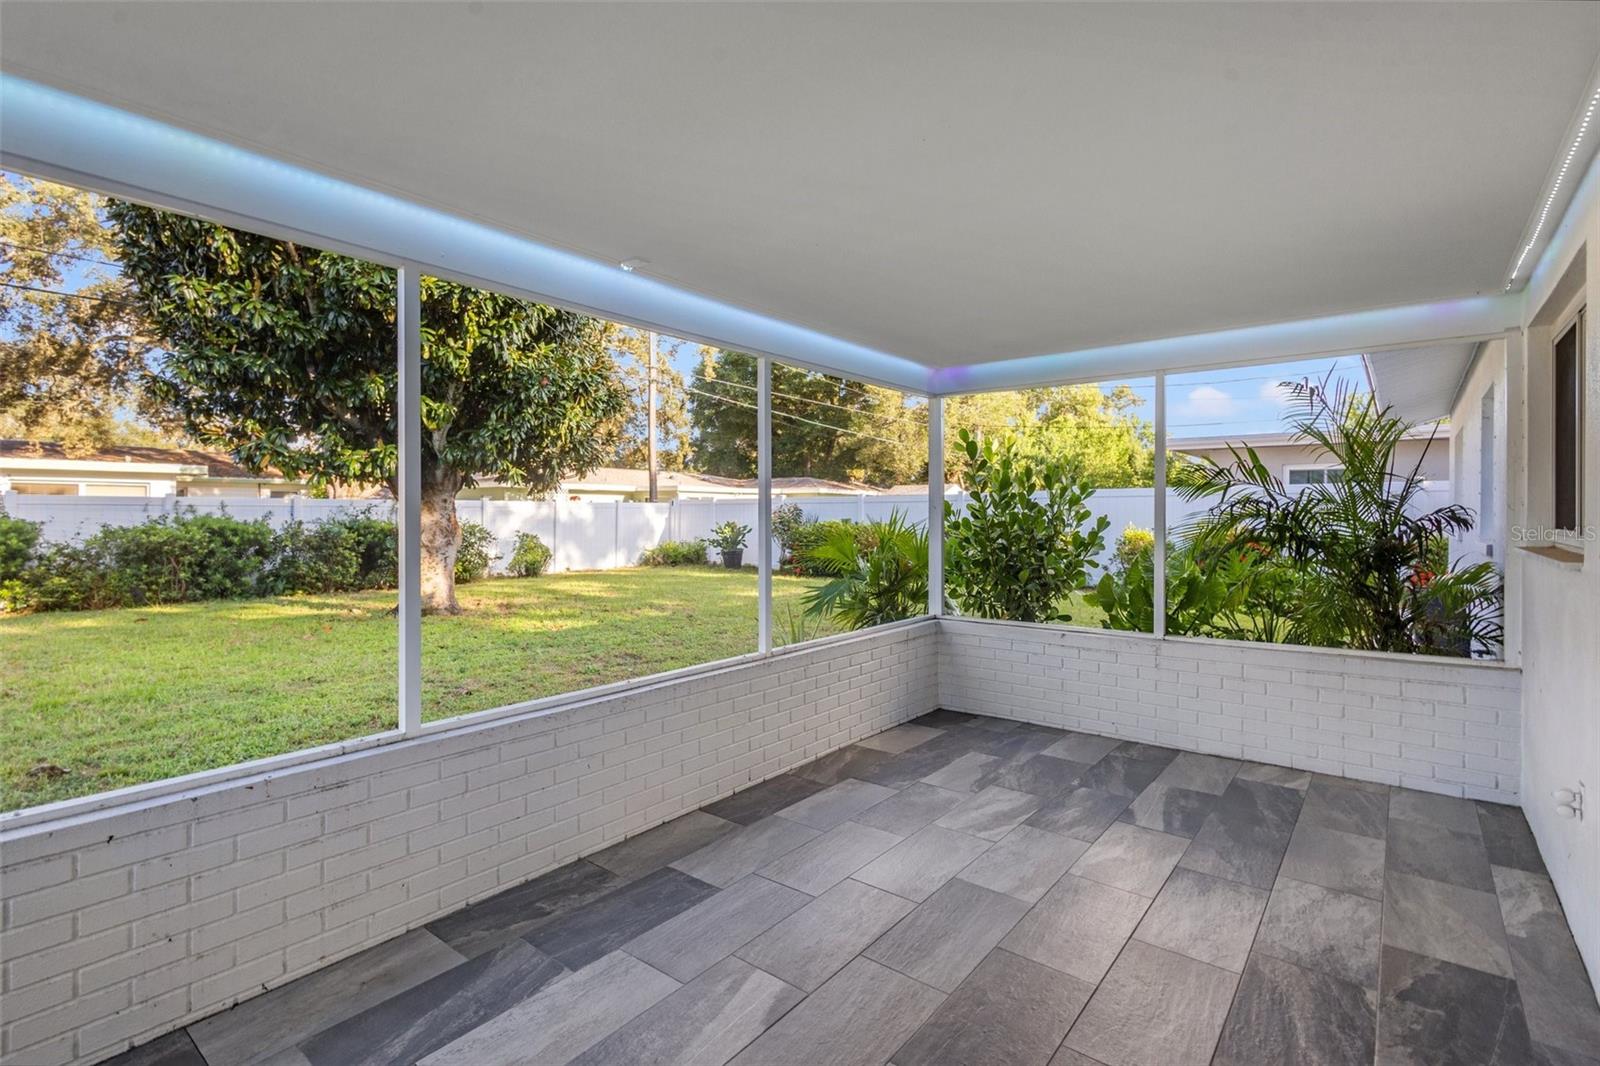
(675, 553)
(879, 573)
(18, 537)
(788, 523)
(1134, 544)
(802, 560)
(530, 556)
(729, 536)
(1025, 542)
(475, 554)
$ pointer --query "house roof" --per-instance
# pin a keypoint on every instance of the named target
(1279, 440)
(216, 464)
(1420, 383)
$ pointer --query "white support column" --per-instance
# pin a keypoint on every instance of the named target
(1514, 507)
(936, 505)
(408, 509)
(764, 502)
(1159, 556)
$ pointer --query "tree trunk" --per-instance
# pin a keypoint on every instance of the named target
(441, 538)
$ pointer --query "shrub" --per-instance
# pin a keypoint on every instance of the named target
(880, 573)
(18, 537)
(675, 553)
(1009, 554)
(802, 561)
(1134, 544)
(729, 536)
(314, 558)
(475, 554)
(530, 556)
(788, 523)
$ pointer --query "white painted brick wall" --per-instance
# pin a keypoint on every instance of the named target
(123, 924)
(1441, 725)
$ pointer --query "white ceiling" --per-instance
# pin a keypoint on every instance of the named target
(1421, 383)
(952, 183)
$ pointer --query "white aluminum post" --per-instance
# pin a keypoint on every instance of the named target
(935, 505)
(1159, 553)
(408, 415)
(764, 502)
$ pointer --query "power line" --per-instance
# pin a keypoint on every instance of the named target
(67, 295)
(786, 414)
(61, 255)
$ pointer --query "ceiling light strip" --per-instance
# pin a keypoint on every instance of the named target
(1555, 187)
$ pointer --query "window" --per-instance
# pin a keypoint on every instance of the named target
(1314, 475)
(1486, 466)
(44, 488)
(114, 488)
(1567, 462)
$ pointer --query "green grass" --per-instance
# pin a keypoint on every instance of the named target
(120, 697)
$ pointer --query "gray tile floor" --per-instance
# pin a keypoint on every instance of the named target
(967, 890)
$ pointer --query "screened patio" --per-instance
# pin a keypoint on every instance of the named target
(954, 837)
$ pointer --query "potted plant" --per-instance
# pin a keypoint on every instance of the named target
(729, 537)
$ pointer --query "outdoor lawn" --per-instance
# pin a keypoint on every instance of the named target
(118, 697)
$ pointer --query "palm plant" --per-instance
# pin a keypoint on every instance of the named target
(1363, 544)
(877, 572)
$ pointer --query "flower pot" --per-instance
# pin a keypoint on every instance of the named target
(733, 559)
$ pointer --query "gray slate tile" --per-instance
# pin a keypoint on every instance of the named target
(946, 937)
(173, 1049)
(1123, 771)
(991, 814)
(1132, 859)
(1275, 775)
(845, 764)
(1040, 775)
(963, 773)
(704, 1023)
(1083, 813)
(858, 1018)
(901, 738)
(1283, 1013)
(1170, 809)
(744, 851)
(516, 912)
(818, 865)
(836, 803)
(702, 936)
(1434, 1013)
(1082, 747)
(1205, 918)
(1335, 933)
(911, 808)
(1426, 850)
(406, 1027)
(1025, 863)
(564, 1019)
(1199, 773)
(1447, 812)
(600, 927)
(1349, 810)
(1508, 839)
(918, 865)
(655, 848)
(1008, 1012)
(752, 804)
(1245, 835)
(1333, 859)
(1556, 994)
(290, 1013)
(1444, 921)
(815, 942)
(1154, 1007)
(1078, 927)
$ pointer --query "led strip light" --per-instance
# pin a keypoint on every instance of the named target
(1555, 188)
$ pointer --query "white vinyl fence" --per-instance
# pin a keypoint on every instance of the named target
(582, 534)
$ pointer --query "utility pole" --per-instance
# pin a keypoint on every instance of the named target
(650, 417)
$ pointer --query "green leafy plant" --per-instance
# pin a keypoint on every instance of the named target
(1364, 550)
(1133, 544)
(729, 536)
(675, 553)
(530, 556)
(879, 574)
(475, 553)
(18, 538)
(788, 525)
(1231, 595)
(799, 626)
(1025, 542)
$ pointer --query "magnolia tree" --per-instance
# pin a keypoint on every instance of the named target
(285, 356)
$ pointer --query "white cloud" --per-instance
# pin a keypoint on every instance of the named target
(1208, 401)
(1275, 392)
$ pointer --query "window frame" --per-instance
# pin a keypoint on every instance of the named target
(1573, 323)
(1290, 469)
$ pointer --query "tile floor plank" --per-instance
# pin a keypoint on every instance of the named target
(1008, 1012)
(1154, 1007)
(818, 865)
(963, 773)
(1556, 995)
(564, 1019)
(752, 804)
(1426, 850)
(858, 1018)
(1283, 1013)
(704, 1023)
(1082, 747)
(916, 867)
(1170, 809)
(991, 813)
(900, 739)
(1132, 859)
(911, 808)
(744, 851)
(512, 914)
(598, 928)
(1444, 921)
(1435, 1013)
(836, 803)
(654, 848)
(1204, 917)
(1025, 863)
(1078, 927)
(685, 946)
(1336, 933)
(815, 942)
(1331, 858)
(1347, 809)
(1083, 813)
(945, 938)
(1246, 834)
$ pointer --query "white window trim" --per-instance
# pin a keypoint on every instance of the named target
(1572, 538)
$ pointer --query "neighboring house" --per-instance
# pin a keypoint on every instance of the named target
(622, 483)
(1295, 462)
(46, 468)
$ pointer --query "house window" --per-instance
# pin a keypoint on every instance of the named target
(1567, 461)
(1315, 475)
(1486, 502)
(44, 488)
(115, 488)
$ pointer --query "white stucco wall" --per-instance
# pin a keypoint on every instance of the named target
(1485, 383)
